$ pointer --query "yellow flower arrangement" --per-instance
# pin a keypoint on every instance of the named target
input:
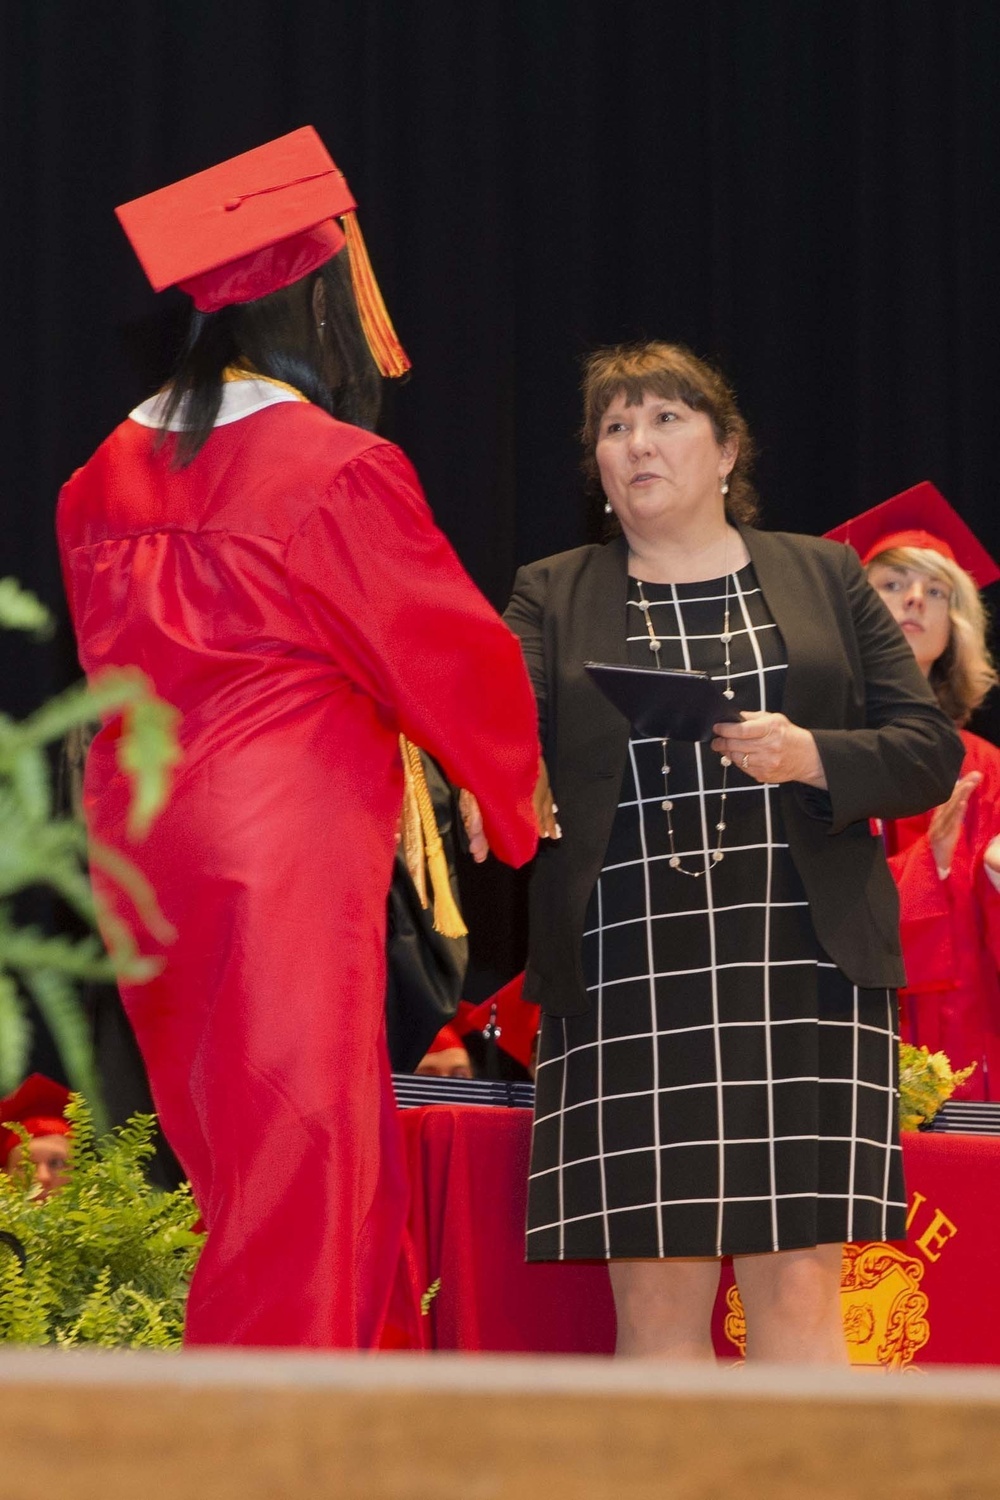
(926, 1081)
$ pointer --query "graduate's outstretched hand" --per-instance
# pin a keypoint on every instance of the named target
(545, 813)
(472, 822)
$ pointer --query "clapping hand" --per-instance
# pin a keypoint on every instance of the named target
(946, 823)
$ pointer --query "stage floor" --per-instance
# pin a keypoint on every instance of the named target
(127, 1426)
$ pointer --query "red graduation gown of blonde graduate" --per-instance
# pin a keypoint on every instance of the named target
(951, 932)
(289, 592)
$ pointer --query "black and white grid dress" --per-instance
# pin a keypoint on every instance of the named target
(729, 1091)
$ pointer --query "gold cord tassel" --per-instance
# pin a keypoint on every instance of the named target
(447, 917)
(387, 352)
(411, 833)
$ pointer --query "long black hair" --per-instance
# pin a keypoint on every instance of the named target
(278, 336)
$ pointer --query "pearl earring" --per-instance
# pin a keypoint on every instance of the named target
(724, 485)
(607, 507)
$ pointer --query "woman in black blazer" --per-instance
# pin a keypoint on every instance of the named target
(714, 936)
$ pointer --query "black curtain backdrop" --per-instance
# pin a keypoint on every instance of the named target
(804, 191)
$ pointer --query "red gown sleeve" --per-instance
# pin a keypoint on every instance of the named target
(934, 911)
(925, 926)
(985, 826)
(387, 598)
(988, 900)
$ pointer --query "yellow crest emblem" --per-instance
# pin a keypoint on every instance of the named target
(885, 1312)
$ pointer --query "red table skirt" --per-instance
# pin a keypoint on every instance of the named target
(930, 1301)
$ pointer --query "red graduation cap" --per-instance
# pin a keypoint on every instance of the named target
(38, 1105)
(516, 1020)
(447, 1040)
(918, 517)
(257, 223)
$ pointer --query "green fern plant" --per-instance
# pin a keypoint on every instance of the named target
(40, 848)
(107, 1259)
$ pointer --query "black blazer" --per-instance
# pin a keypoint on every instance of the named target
(887, 749)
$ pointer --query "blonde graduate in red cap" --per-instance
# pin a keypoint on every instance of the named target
(273, 567)
(929, 567)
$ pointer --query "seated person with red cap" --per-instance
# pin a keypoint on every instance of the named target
(928, 567)
(501, 1033)
(446, 1057)
(498, 1038)
(37, 1106)
(273, 567)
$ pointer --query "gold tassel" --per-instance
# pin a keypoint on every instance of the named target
(387, 352)
(411, 833)
(447, 917)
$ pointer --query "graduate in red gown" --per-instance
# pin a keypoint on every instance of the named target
(273, 567)
(928, 567)
(37, 1105)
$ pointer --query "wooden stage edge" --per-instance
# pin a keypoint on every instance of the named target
(244, 1426)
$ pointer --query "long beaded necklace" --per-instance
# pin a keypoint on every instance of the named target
(668, 807)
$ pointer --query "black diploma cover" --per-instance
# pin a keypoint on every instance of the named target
(664, 705)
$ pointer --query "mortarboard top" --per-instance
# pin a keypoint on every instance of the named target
(38, 1105)
(255, 224)
(918, 517)
(206, 233)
